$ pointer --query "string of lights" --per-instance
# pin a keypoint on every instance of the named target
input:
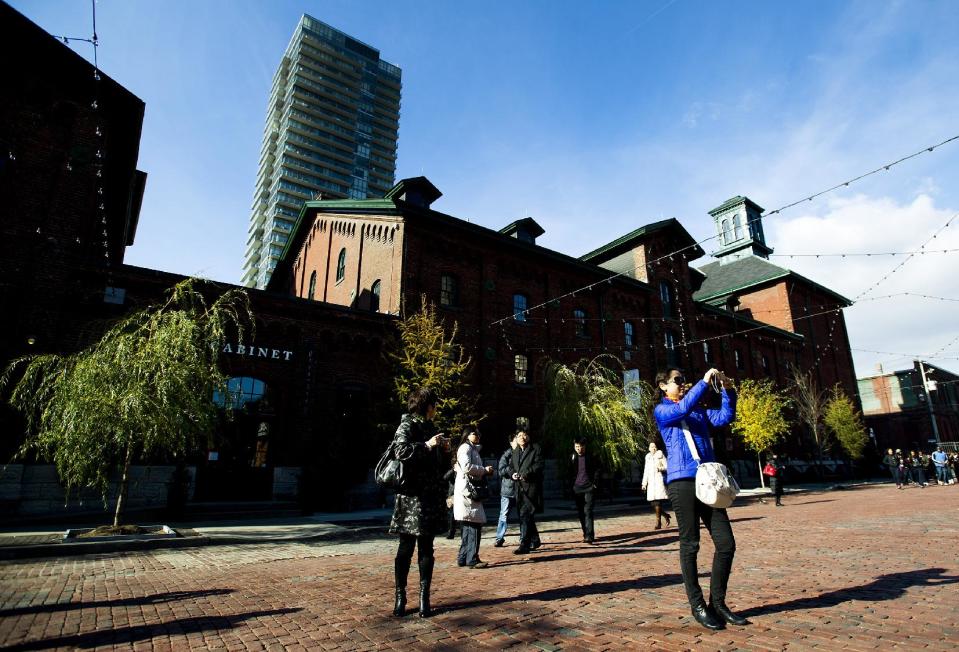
(911, 356)
(867, 255)
(940, 350)
(907, 259)
(681, 252)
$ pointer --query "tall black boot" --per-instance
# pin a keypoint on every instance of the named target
(401, 570)
(426, 578)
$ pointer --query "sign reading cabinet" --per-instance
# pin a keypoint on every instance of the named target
(257, 351)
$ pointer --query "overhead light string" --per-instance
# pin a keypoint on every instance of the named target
(848, 182)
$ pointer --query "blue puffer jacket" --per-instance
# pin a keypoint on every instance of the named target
(669, 415)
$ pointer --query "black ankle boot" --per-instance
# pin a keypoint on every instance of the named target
(399, 610)
(704, 616)
(721, 610)
(401, 570)
(426, 578)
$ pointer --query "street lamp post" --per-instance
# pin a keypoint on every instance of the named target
(925, 388)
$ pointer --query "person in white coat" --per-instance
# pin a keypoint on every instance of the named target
(467, 506)
(653, 484)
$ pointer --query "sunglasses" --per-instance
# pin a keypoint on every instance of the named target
(679, 380)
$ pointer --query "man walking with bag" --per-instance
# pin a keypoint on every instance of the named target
(526, 467)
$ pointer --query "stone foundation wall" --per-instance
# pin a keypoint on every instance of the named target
(35, 489)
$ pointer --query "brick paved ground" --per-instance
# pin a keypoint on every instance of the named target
(870, 568)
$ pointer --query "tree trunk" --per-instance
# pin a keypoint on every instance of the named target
(124, 483)
(762, 478)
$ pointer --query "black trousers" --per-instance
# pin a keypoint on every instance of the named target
(584, 507)
(469, 543)
(894, 472)
(528, 534)
(423, 543)
(689, 511)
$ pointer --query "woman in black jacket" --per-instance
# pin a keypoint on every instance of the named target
(420, 513)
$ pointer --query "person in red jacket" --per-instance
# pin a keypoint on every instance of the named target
(774, 472)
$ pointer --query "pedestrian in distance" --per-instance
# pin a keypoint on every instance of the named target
(467, 503)
(584, 472)
(940, 459)
(916, 468)
(774, 472)
(450, 478)
(903, 467)
(507, 492)
(419, 514)
(681, 415)
(654, 484)
(526, 469)
(891, 461)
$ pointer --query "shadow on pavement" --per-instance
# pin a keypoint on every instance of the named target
(126, 635)
(809, 502)
(565, 592)
(158, 598)
(884, 587)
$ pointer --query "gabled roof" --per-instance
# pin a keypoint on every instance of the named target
(631, 239)
(397, 207)
(723, 280)
(735, 201)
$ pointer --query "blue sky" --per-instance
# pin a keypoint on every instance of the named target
(593, 118)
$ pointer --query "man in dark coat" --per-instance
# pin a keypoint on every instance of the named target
(527, 470)
(583, 473)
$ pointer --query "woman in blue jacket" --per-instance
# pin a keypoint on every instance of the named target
(681, 411)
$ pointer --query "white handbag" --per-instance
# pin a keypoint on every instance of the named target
(715, 486)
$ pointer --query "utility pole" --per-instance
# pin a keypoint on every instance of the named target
(925, 388)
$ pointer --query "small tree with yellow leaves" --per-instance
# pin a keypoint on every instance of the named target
(430, 357)
(760, 418)
(845, 422)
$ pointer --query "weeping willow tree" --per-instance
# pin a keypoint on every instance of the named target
(589, 400)
(145, 388)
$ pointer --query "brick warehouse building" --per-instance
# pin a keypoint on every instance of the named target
(518, 304)
(314, 375)
(900, 407)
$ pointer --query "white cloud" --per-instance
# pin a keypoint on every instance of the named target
(908, 325)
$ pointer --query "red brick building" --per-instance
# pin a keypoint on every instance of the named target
(518, 304)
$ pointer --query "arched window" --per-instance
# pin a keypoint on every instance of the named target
(667, 297)
(341, 265)
(725, 233)
(449, 290)
(375, 296)
(240, 390)
(672, 350)
(312, 291)
(521, 369)
(738, 226)
(520, 303)
(628, 339)
(579, 323)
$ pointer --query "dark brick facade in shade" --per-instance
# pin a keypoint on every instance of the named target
(326, 380)
(771, 326)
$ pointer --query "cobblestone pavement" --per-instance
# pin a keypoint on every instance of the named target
(868, 568)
